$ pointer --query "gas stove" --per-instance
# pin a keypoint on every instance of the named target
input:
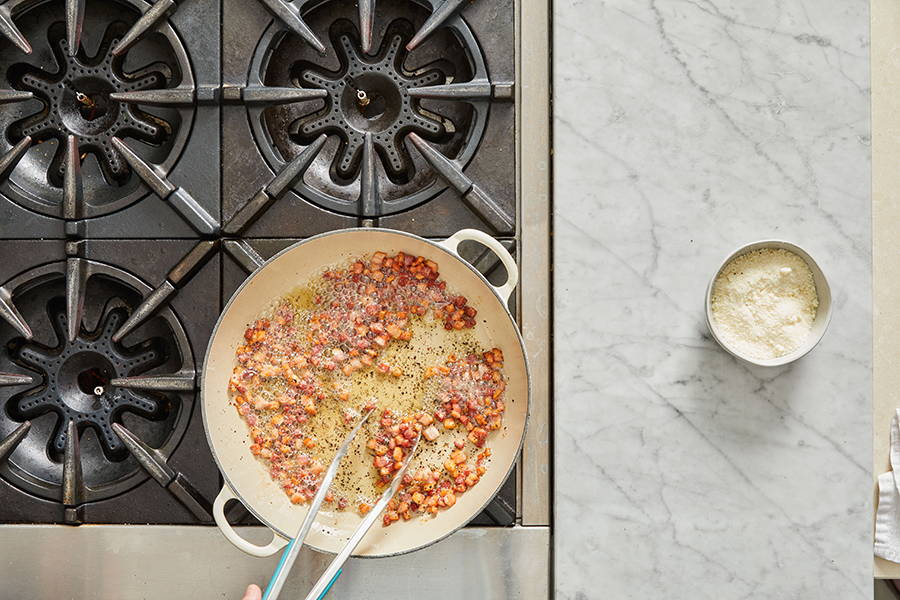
(155, 154)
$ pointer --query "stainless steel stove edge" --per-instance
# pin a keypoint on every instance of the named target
(535, 293)
(185, 562)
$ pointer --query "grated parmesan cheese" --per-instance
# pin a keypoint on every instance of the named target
(764, 303)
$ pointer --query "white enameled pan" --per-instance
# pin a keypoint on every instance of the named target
(247, 479)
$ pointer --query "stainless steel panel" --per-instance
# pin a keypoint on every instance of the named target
(124, 562)
(533, 37)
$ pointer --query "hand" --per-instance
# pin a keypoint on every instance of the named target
(253, 593)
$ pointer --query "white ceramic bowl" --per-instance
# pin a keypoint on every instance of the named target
(823, 315)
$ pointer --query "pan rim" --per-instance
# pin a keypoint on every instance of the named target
(354, 230)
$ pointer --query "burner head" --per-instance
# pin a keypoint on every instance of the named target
(368, 94)
(71, 97)
(73, 382)
(76, 380)
(76, 101)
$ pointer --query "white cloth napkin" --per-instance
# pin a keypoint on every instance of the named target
(887, 517)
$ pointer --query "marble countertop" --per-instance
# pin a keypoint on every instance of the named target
(683, 129)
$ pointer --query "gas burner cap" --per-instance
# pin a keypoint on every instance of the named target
(77, 378)
(76, 102)
(374, 100)
(370, 95)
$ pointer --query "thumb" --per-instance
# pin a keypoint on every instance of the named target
(253, 593)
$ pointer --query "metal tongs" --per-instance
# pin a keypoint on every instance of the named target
(334, 569)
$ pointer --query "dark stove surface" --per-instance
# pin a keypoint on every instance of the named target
(143, 176)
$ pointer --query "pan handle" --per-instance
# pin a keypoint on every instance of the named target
(269, 549)
(512, 271)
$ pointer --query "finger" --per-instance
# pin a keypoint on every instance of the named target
(253, 592)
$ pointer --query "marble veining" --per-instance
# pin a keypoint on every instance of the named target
(682, 129)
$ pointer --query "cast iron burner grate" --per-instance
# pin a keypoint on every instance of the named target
(77, 378)
(99, 110)
(383, 91)
(93, 422)
(76, 101)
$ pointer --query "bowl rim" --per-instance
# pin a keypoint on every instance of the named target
(812, 341)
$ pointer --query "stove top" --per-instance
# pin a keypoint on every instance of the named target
(153, 155)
